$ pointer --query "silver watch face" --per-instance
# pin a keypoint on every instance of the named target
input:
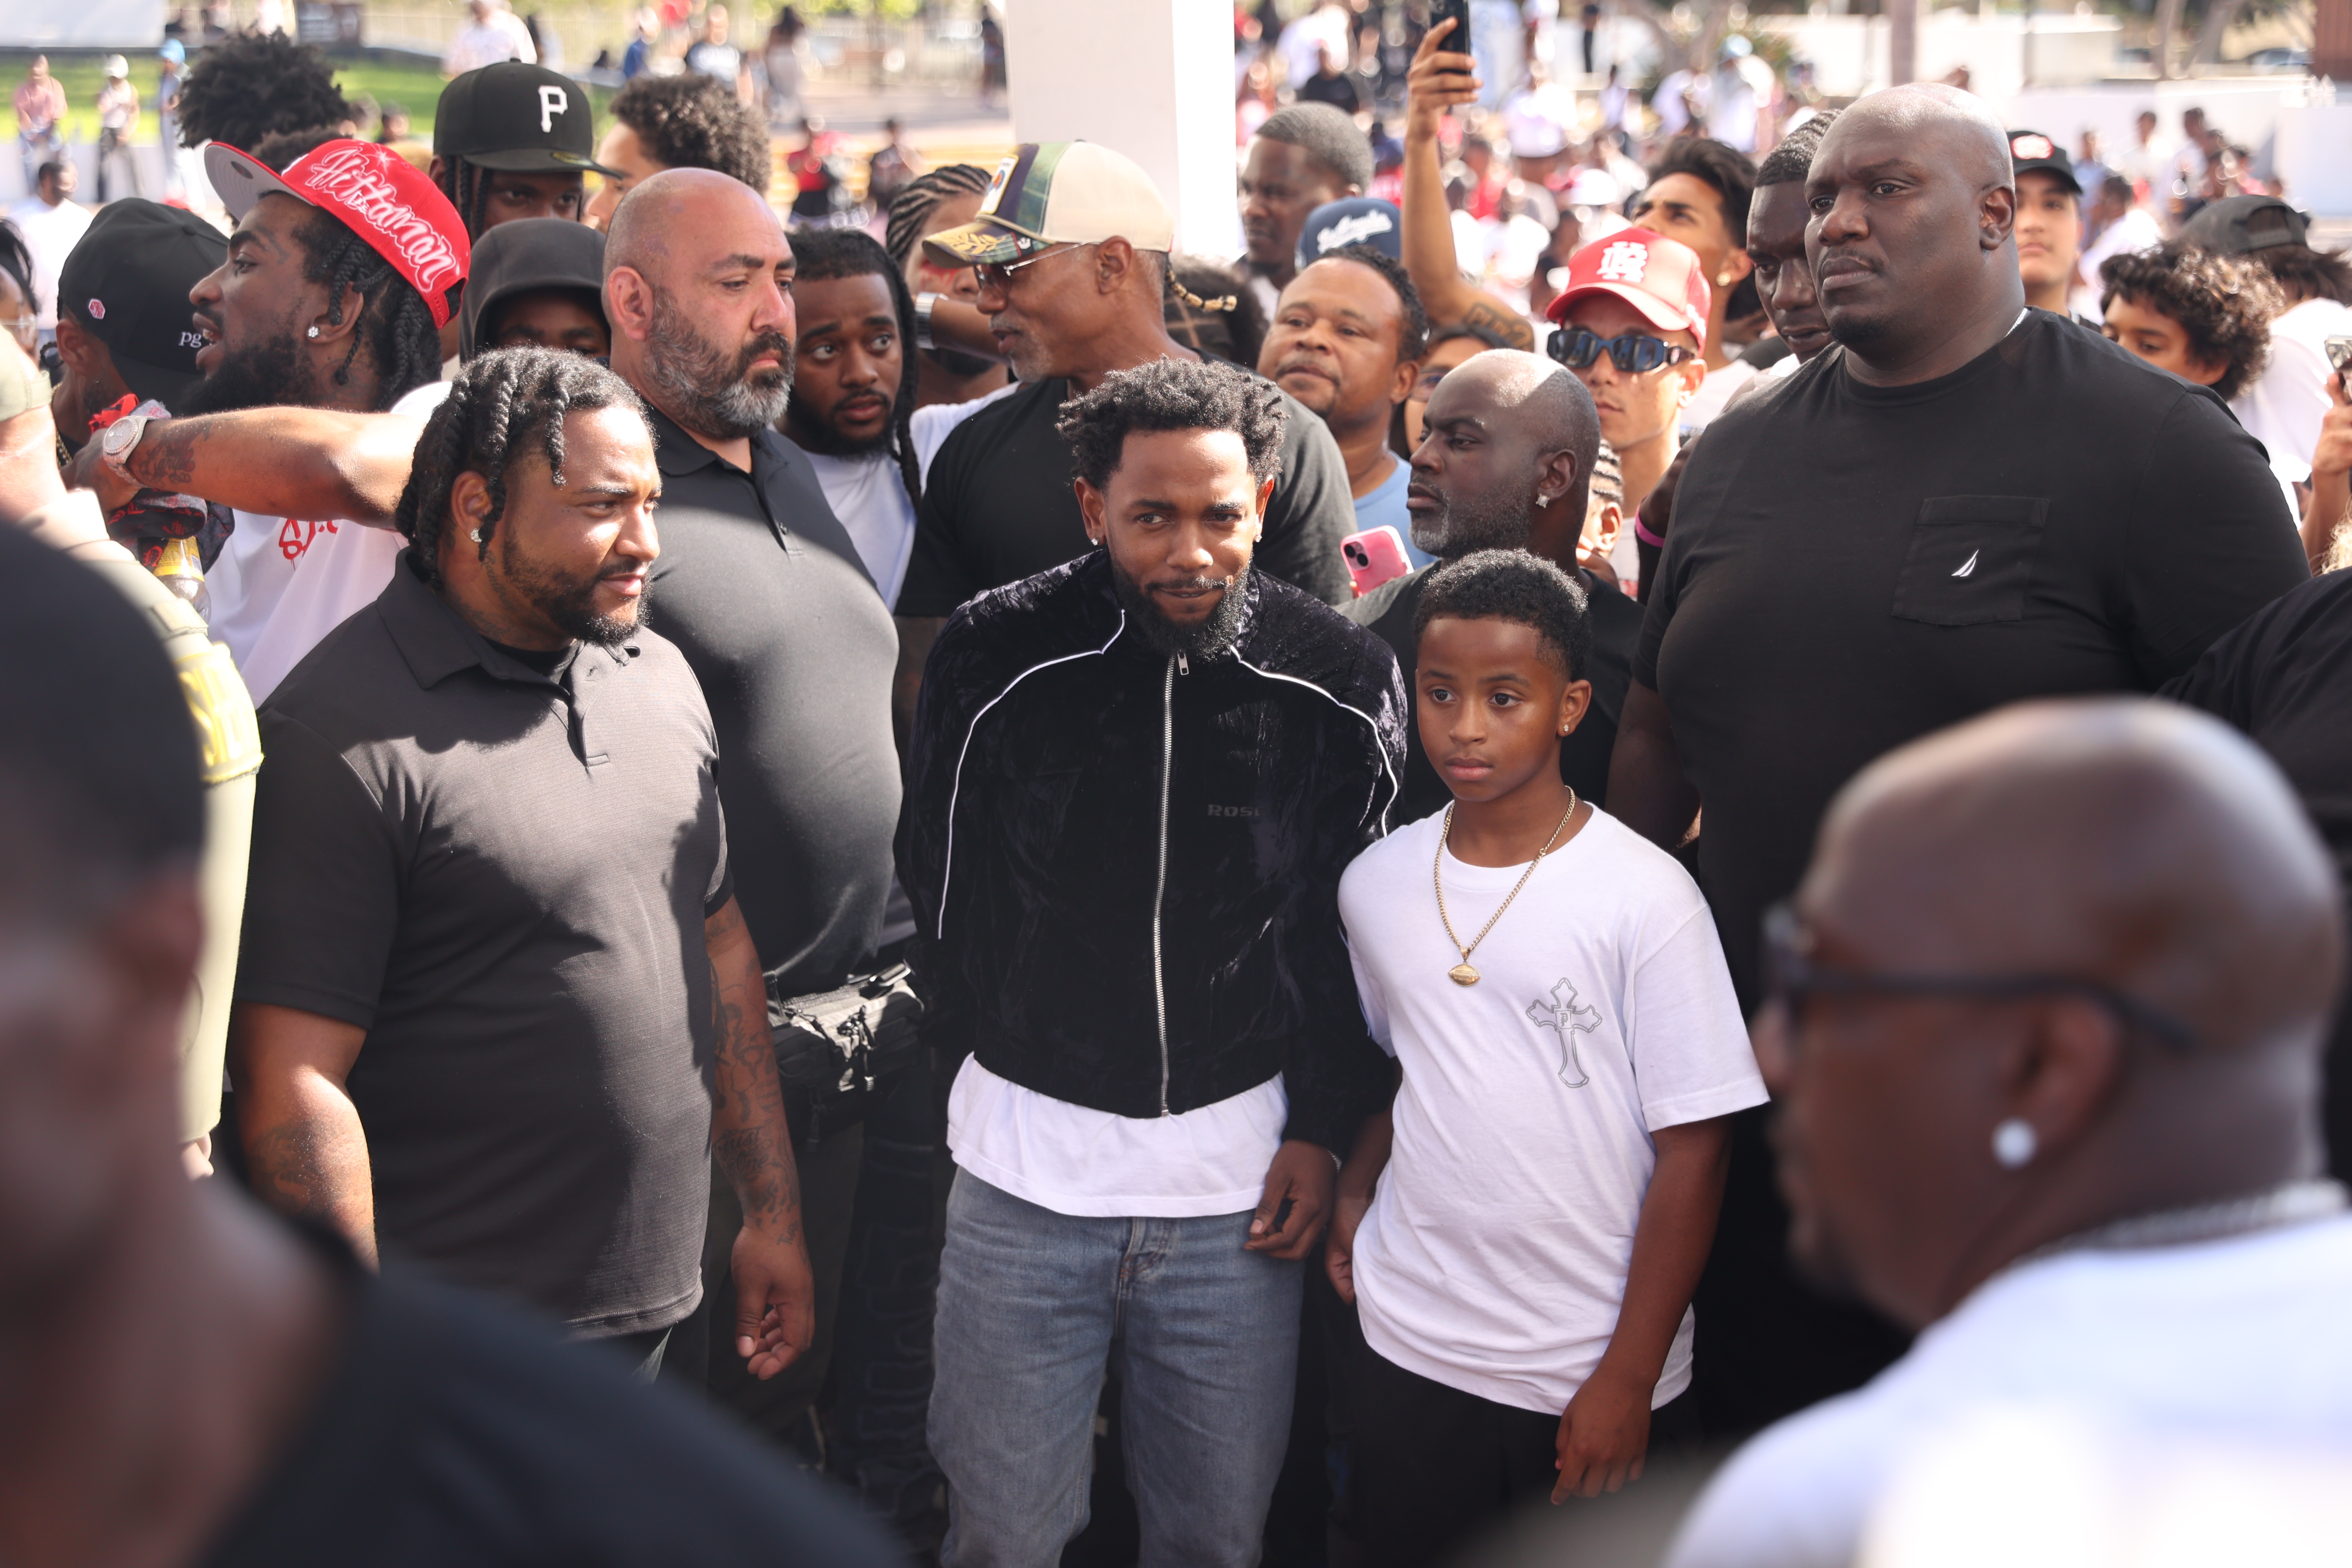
(122, 435)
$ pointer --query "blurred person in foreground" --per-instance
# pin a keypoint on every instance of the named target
(2044, 1026)
(1963, 503)
(303, 1409)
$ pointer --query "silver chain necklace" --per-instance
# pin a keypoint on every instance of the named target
(2290, 1203)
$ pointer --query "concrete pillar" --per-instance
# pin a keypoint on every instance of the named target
(1152, 79)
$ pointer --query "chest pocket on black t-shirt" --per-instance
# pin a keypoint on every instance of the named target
(1970, 561)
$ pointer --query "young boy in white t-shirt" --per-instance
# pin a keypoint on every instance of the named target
(1552, 988)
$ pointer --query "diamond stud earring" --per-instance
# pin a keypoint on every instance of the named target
(2014, 1143)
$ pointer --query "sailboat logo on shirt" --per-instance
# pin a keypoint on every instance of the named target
(1969, 567)
(1563, 1017)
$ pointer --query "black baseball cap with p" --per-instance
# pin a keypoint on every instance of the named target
(523, 118)
(126, 283)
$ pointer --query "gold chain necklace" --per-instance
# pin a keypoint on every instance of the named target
(1463, 973)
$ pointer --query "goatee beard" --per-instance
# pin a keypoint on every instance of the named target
(1204, 638)
(706, 391)
(264, 374)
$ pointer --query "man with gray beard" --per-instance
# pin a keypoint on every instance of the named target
(760, 588)
(1505, 462)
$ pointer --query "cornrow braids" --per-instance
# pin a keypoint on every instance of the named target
(462, 182)
(919, 197)
(822, 254)
(496, 407)
(395, 325)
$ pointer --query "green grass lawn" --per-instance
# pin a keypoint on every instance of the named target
(415, 87)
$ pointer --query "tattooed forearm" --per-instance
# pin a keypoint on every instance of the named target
(750, 1138)
(1513, 329)
(165, 458)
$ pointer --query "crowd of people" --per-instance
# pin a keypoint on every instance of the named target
(931, 835)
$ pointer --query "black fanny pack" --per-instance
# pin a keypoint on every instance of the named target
(838, 1043)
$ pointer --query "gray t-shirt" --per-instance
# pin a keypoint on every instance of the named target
(501, 875)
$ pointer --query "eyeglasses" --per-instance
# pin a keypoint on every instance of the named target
(999, 275)
(1634, 353)
(1790, 977)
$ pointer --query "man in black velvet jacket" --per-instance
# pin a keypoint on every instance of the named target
(1135, 780)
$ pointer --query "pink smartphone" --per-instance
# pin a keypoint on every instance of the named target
(1374, 556)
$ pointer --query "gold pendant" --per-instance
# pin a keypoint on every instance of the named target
(1463, 974)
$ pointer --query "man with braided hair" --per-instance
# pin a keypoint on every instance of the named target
(339, 276)
(946, 197)
(454, 1041)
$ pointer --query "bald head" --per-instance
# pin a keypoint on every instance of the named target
(2135, 843)
(1509, 438)
(1911, 238)
(1959, 124)
(697, 280)
(2078, 959)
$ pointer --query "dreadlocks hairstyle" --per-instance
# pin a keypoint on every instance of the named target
(2223, 302)
(1514, 586)
(824, 254)
(242, 90)
(497, 404)
(694, 121)
(919, 197)
(1209, 308)
(1172, 395)
(395, 323)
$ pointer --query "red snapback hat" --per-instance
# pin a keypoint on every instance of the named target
(372, 191)
(1659, 277)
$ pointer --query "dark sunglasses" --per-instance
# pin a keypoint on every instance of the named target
(1790, 977)
(1635, 353)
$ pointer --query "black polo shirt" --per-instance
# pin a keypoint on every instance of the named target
(501, 875)
(760, 587)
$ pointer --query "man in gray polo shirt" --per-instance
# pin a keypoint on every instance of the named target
(496, 1000)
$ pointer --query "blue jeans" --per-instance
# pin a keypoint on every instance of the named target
(1035, 1306)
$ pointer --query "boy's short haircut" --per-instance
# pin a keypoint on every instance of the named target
(2225, 304)
(1512, 585)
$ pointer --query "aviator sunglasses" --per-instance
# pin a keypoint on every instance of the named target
(1635, 353)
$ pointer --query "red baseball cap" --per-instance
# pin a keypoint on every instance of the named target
(376, 193)
(1659, 277)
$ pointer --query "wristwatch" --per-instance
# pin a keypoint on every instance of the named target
(923, 304)
(117, 440)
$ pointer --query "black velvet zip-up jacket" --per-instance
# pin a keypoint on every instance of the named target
(1125, 866)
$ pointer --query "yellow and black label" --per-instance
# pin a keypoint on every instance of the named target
(225, 726)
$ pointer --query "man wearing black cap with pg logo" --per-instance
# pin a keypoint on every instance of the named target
(513, 140)
(122, 310)
(2049, 222)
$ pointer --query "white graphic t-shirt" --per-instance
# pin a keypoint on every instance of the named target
(1495, 1256)
(281, 583)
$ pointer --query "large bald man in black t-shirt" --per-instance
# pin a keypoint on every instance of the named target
(1964, 503)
